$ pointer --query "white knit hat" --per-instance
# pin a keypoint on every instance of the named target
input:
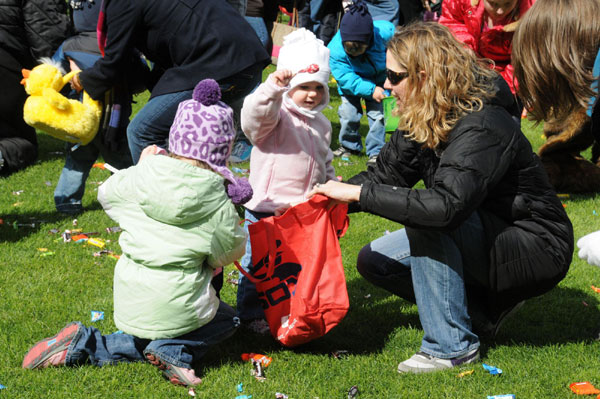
(302, 50)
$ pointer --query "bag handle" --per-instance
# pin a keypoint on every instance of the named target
(245, 273)
(295, 19)
(270, 263)
(270, 267)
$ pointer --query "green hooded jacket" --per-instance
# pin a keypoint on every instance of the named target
(178, 226)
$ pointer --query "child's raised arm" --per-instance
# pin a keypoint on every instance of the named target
(260, 112)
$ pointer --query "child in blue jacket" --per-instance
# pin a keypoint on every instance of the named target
(357, 61)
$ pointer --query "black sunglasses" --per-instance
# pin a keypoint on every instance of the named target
(395, 77)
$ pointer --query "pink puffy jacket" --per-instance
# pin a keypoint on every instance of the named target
(465, 19)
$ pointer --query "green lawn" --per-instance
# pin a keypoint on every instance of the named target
(547, 345)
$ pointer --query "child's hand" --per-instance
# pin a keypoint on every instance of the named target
(378, 94)
(152, 150)
(282, 77)
(281, 210)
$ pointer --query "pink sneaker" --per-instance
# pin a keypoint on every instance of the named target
(51, 351)
(176, 375)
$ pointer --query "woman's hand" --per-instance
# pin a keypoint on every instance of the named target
(341, 192)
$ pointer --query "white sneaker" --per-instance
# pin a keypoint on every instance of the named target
(424, 363)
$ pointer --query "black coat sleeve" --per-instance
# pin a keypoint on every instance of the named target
(471, 165)
(47, 24)
(122, 20)
(397, 164)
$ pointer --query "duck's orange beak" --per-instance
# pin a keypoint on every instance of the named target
(25, 73)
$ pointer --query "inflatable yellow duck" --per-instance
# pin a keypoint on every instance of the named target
(49, 111)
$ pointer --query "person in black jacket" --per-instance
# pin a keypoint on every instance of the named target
(487, 231)
(78, 52)
(29, 30)
(188, 41)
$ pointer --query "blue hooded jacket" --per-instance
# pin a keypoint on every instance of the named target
(359, 76)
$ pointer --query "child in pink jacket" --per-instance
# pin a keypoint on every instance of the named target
(291, 139)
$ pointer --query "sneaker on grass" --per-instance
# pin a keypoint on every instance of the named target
(176, 375)
(424, 363)
(51, 351)
(372, 160)
(344, 152)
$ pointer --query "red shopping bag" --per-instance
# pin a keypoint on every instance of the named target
(298, 272)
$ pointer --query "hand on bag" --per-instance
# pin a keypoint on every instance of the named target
(342, 192)
(589, 248)
(282, 77)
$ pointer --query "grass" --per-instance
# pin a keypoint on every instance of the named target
(547, 345)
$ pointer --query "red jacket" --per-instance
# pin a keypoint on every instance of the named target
(465, 19)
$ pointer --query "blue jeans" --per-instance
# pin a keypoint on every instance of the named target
(152, 123)
(258, 24)
(432, 267)
(71, 184)
(90, 346)
(350, 113)
(248, 306)
(387, 10)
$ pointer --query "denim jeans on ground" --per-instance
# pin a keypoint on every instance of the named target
(387, 10)
(248, 306)
(434, 265)
(71, 184)
(90, 346)
(152, 123)
(350, 113)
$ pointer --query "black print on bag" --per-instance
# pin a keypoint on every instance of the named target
(286, 274)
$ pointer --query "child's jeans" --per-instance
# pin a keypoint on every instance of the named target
(350, 113)
(71, 184)
(90, 346)
(248, 306)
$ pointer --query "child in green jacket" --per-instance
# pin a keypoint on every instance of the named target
(179, 225)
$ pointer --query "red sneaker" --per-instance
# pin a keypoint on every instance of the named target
(51, 351)
(176, 375)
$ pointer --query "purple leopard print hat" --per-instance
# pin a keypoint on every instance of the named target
(203, 130)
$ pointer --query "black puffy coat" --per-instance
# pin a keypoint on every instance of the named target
(30, 29)
(487, 165)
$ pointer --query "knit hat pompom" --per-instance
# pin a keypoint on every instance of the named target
(239, 190)
(207, 92)
(203, 130)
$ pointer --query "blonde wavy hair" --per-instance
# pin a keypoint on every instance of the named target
(553, 54)
(445, 80)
